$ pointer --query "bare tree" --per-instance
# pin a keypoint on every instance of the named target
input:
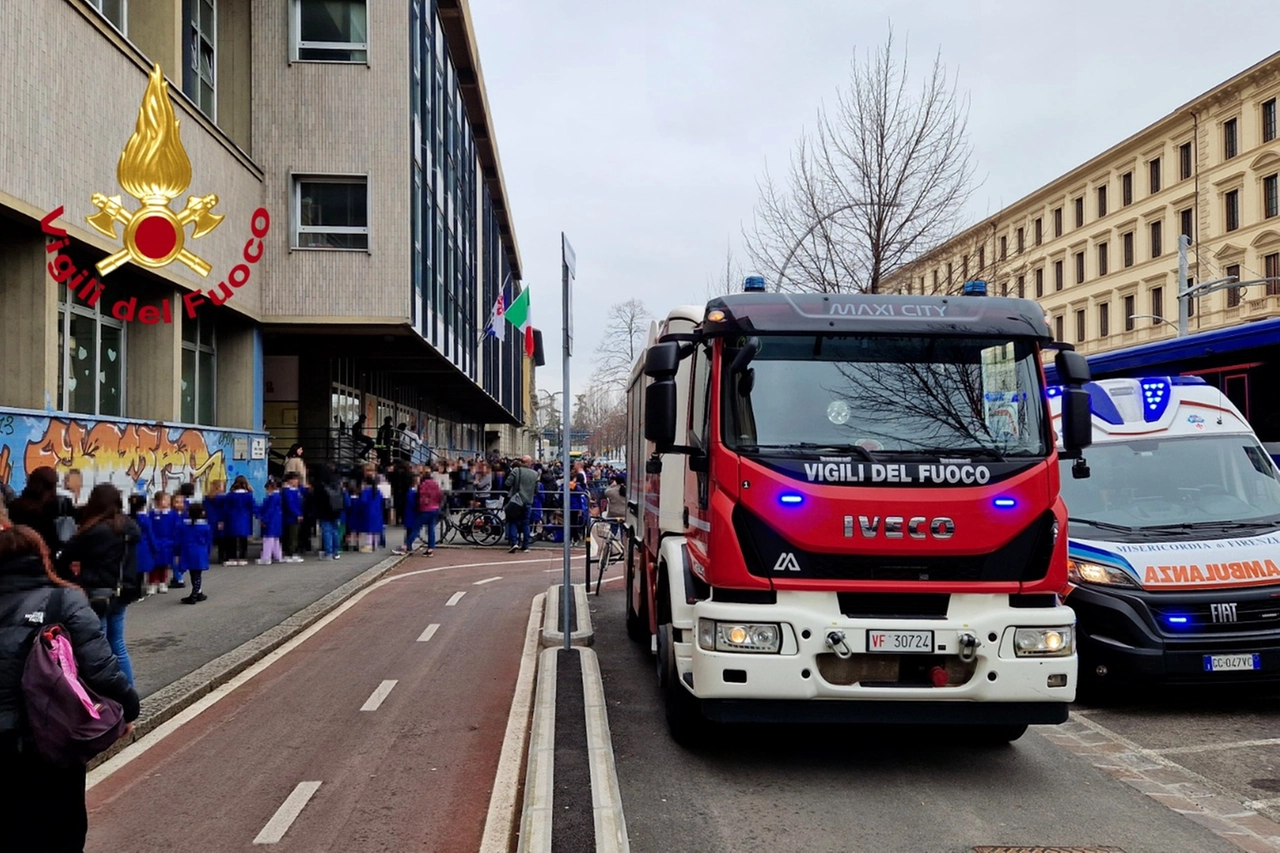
(626, 326)
(883, 177)
(726, 280)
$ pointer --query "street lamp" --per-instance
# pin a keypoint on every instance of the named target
(1155, 317)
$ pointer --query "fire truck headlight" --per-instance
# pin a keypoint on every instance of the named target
(1043, 642)
(739, 636)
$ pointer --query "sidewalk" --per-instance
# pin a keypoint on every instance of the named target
(168, 639)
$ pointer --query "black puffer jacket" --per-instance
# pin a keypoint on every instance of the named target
(99, 551)
(25, 590)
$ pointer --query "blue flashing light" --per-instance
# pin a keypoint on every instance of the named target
(791, 498)
(1053, 391)
(976, 287)
(1156, 393)
(1176, 620)
(753, 284)
(1005, 503)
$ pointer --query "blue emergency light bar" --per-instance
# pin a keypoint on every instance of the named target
(753, 284)
(976, 287)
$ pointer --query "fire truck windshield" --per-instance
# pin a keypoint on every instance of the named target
(917, 396)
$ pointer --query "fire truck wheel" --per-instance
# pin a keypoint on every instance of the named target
(685, 721)
(637, 622)
(997, 735)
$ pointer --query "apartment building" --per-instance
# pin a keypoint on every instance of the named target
(1098, 246)
(349, 234)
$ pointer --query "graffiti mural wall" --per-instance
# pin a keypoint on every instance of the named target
(133, 455)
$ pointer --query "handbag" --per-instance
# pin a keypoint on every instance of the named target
(69, 723)
(104, 599)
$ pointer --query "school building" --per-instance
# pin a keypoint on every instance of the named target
(302, 220)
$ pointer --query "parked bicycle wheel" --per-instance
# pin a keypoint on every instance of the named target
(482, 527)
(446, 529)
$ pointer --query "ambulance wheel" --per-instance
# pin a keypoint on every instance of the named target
(998, 735)
(685, 721)
(637, 621)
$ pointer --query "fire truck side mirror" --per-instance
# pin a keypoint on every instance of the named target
(1072, 367)
(662, 360)
(1077, 421)
(660, 412)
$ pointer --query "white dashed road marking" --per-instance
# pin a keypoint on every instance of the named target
(378, 696)
(287, 813)
(487, 580)
(429, 633)
(455, 598)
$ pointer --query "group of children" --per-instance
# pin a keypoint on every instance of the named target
(180, 533)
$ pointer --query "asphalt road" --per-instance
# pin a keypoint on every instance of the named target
(870, 789)
(378, 733)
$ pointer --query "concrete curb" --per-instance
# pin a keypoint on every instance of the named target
(504, 812)
(606, 795)
(169, 701)
(539, 782)
(582, 635)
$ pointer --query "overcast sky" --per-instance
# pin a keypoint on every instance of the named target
(640, 129)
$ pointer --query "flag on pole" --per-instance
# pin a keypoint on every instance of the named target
(497, 328)
(519, 315)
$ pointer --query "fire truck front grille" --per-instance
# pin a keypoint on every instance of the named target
(894, 670)
(768, 554)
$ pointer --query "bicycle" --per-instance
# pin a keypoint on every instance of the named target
(609, 547)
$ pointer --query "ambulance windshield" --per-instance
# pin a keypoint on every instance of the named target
(919, 396)
(1172, 484)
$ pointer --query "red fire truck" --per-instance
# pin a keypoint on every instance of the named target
(844, 508)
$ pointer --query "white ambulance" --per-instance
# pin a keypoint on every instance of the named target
(1174, 539)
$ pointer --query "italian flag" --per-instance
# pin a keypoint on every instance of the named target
(517, 314)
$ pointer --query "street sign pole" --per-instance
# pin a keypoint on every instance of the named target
(568, 264)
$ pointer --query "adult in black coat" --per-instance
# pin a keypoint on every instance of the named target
(43, 807)
(40, 505)
(101, 555)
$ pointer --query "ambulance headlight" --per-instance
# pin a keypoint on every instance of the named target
(716, 636)
(1043, 642)
(1080, 571)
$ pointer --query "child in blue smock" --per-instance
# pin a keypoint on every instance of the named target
(163, 529)
(214, 501)
(272, 519)
(146, 549)
(195, 543)
(352, 515)
(371, 513)
(237, 520)
(178, 504)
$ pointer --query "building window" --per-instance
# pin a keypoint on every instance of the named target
(1022, 242)
(1233, 293)
(330, 31)
(332, 213)
(1057, 328)
(1186, 225)
(1184, 161)
(1231, 209)
(1157, 305)
(1080, 325)
(935, 281)
(1079, 205)
(115, 11)
(1104, 319)
(1126, 189)
(1269, 120)
(1022, 287)
(1126, 241)
(1128, 313)
(199, 370)
(1039, 282)
(1057, 275)
(1004, 288)
(1079, 267)
(1271, 271)
(1153, 171)
(1102, 259)
(1039, 230)
(1270, 201)
(1057, 222)
(1157, 232)
(1102, 201)
(982, 258)
(1004, 247)
(964, 267)
(91, 356)
(199, 78)
(950, 276)
(1230, 138)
